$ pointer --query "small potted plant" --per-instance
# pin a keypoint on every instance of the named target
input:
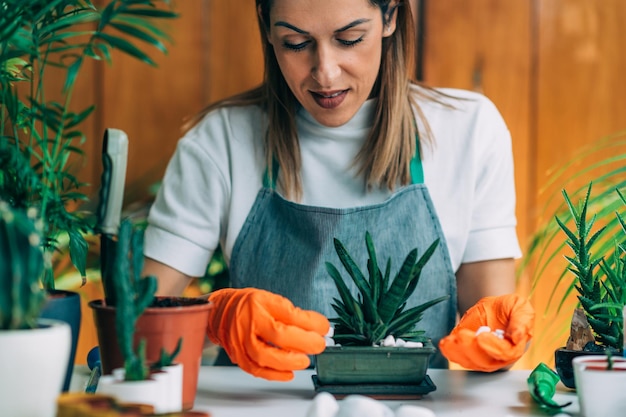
(27, 342)
(137, 332)
(599, 382)
(364, 352)
(597, 326)
(159, 384)
(45, 44)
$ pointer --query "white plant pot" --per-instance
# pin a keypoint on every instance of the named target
(32, 368)
(163, 391)
(600, 391)
(171, 378)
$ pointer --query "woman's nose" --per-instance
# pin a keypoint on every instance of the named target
(326, 68)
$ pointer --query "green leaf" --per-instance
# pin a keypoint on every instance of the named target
(126, 47)
(78, 251)
(369, 308)
(344, 292)
(161, 14)
(140, 34)
(392, 299)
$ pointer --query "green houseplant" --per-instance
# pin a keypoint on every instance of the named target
(41, 136)
(553, 285)
(142, 333)
(378, 313)
(599, 281)
(136, 382)
(22, 331)
(43, 42)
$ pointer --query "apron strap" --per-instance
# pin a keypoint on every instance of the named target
(417, 171)
(267, 183)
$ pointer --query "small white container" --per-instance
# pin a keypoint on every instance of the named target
(600, 391)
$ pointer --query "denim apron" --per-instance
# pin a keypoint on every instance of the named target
(283, 247)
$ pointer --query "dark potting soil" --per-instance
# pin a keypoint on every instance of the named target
(175, 302)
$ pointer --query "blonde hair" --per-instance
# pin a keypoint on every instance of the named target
(385, 158)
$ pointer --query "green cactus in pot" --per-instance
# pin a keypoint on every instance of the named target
(21, 267)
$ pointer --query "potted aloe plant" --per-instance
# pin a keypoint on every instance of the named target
(363, 351)
(600, 283)
(40, 129)
(23, 334)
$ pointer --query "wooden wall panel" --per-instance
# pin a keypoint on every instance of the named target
(150, 104)
(581, 97)
(485, 45)
(235, 60)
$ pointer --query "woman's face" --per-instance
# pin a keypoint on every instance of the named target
(329, 53)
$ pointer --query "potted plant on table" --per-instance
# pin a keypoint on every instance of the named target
(600, 281)
(135, 382)
(23, 334)
(366, 329)
(40, 136)
(156, 323)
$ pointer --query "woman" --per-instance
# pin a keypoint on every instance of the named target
(328, 147)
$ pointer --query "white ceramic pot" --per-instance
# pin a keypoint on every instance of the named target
(32, 368)
(600, 391)
(163, 391)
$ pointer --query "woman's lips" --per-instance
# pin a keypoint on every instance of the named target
(329, 99)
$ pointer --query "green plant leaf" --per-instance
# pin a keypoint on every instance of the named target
(140, 34)
(392, 299)
(126, 47)
(369, 309)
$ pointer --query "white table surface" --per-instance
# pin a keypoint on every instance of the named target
(230, 392)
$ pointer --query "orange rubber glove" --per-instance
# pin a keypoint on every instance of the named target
(264, 333)
(510, 315)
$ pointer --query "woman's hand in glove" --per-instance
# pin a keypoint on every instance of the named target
(491, 335)
(264, 333)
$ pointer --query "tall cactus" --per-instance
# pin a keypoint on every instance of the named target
(21, 267)
(133, 294)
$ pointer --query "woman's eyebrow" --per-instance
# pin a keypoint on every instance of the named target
(304, 32)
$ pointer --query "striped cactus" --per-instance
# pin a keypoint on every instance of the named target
(21, 268)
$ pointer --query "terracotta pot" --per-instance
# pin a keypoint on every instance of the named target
(161, 327)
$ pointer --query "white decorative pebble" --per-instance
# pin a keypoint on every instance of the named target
(414, 344)
(324, 405)
(361, 406)
(414, 411)
(400, 342)
(483, 329)
(389, 341)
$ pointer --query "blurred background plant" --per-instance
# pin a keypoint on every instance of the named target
(603, 164)
(41, 137)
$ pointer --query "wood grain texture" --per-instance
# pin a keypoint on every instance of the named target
(485, 45)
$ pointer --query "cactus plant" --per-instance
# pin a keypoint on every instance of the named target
(21, 268)
(380, 310)
(133, 294)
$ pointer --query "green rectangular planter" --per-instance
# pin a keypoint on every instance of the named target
(373, 365)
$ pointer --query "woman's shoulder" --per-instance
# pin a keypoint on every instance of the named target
(228, 124)
(456, 105)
